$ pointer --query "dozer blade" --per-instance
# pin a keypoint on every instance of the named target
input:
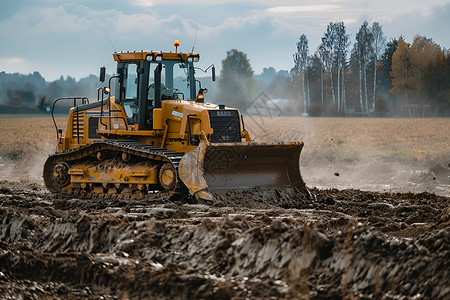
(219, 167)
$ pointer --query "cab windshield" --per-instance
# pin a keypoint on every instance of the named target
(140, 81)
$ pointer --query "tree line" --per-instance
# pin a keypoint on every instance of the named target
(32, 93)
(374, 77)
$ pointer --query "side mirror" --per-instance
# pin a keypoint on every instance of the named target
(213, 73)
(102, 74)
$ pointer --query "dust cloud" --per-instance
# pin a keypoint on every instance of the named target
(29, 167)
(377, 174)
(367, 156)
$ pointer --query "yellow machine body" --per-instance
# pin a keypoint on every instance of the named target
(170, 122)
(154, 143)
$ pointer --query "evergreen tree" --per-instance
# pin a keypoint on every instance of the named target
(386, 65)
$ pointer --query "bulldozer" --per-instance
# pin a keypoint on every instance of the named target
(157, 138)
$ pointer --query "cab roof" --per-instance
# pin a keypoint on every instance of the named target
(154, 56)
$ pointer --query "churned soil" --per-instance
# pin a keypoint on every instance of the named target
(369, 232)
(245, 245)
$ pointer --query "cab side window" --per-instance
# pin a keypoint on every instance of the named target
(131, 82)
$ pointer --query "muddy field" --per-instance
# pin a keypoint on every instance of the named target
(378, 227)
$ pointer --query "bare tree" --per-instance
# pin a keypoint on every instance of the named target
(301, 61)
(308, 99)
(364, 44)
(328, 42)
(379, 41)
(340, 52)
(324, 58)
(356, 54)
(334, 47)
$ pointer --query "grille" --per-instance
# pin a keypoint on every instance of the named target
(93, 126)
(78, 133)
(225, 125)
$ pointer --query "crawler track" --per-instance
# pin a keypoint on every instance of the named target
(113, 149)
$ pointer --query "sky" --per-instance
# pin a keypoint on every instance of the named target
(59, 37)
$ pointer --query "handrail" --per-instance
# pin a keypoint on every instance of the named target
(101, 108)
(178, 93)
(109, 103)
(84, 100)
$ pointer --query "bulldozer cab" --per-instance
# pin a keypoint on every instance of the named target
(147, 78)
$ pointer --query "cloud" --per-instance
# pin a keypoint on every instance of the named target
(433, 24)
(17, 65)
(347, 21)
(303, 8)
(13, 61)
(74, 35)
(83, 24)
(143, 3)
(46, 21)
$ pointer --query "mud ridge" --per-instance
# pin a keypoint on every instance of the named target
(340, 244)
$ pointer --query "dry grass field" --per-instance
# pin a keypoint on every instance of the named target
(18, 135)
(376, 154)
(343, 138)
(352, 138)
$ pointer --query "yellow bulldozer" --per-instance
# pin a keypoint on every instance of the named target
(157, 138)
